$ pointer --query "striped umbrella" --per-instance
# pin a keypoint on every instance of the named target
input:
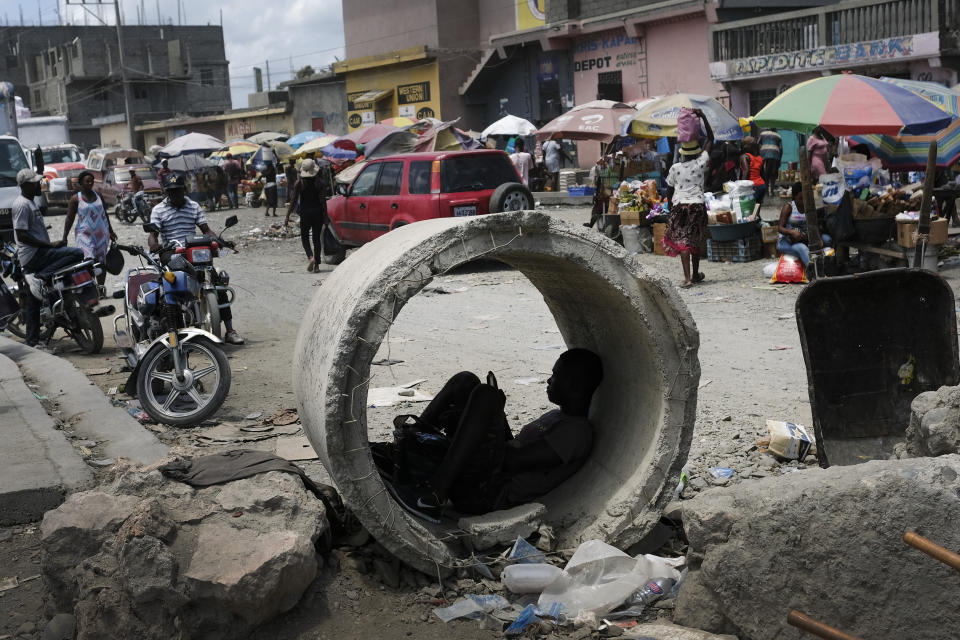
(946, 99)
(906, 153)
(850, 104)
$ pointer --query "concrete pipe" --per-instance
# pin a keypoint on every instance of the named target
(601, 299)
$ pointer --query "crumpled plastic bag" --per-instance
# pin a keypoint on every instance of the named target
(599, 578)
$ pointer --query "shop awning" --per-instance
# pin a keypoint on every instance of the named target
(375, 95)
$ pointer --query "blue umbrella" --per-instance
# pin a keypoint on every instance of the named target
(331, 151)
(298, 140)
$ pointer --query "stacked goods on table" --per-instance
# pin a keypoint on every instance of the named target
(907, 224)
(637, 202)
(733, 223)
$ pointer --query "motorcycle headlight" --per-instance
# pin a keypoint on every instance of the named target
(224, 277)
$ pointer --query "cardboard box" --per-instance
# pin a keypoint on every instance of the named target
(724, 217)
(659, 228)
(907, 232)
(613, 205)
(631, 217)
(769, 234)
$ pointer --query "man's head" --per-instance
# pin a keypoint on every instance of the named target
(576, 375)
(29, 182)
(519, 146)
(229, 156)
(165, 165)
(133, 173)
(176, 190)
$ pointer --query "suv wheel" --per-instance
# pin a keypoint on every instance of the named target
(511, 196)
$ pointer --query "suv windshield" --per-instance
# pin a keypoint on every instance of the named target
(11, 161)
(477, 172)
(54, 156)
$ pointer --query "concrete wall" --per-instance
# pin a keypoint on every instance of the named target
(557, 10)
(494, 19)
(327, 100)
(677, 58)
(372, 27)
(115, 135)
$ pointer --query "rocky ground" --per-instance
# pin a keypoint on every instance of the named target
(485, 317)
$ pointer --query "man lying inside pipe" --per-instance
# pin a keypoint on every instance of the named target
(460, 450)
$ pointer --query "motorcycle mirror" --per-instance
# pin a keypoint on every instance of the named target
(150, 227)
(231, 221)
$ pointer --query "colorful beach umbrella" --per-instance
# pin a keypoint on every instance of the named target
(600, 120)
(658, 118)
(946, 99)
(299, 139)
(850, 104)
(906, 153)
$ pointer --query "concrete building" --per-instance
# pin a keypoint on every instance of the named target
(237, 123)
(758, 57)
(319, 103)
(74, 71)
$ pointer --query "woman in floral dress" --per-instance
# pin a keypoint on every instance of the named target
(94, 232)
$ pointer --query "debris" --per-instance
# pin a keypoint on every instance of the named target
(789, 440)
(786, 316)
(96, 372)
(389, 396)
(253, 416)
(295, 448)
(228, 432)
(527, 381)
(525, 553)
(549, 347)
(9, 583)
(721, 472)
(531, 614)
(113, 391)
(38, 396)
(704, 384)
(386, 362)
(283, 417)
(779, 347)
(473, 607)
(139, 414)
(257, 428)
(504, 526)
(529, 578)
(103, 462)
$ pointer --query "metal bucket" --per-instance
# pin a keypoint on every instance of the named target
(871, 343)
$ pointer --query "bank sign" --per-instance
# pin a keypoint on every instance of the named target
(831, 57)
(609, 51)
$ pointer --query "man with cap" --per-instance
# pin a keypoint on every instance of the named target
(34, 250)
(164, 171)
(177, 216)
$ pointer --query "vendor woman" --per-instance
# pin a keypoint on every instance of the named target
(687, 226)
(792, 239)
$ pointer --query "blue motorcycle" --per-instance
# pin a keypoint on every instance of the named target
(180, 373)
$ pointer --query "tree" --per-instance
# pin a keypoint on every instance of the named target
(305, 72)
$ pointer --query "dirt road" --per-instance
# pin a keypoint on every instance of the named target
(482, 318)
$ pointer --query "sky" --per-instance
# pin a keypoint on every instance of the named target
(289, 34)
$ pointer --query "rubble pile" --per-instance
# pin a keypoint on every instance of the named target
(148, 557)
(827, 543)
(934, 428)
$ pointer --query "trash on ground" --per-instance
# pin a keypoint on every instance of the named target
(113, 391)
(549, 347)
(38, 396)
(527, 381)
(9, 583)
(283, 417)
(229, 432)
(788, 440)
(704, 383)
(529, 577)
(96, 372)
(253, 416)
(532, 614)
(295, 448)
(599, 578)
(387, 362)
(525, 553)
(139, 414)
(721, 472)
(779, 347)
(473, 606)
(389, 396)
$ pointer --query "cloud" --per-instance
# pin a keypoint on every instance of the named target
(295, 33)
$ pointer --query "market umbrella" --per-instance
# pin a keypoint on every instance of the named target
(188, 162)
(400, 122)
(267, 136)
(299, 139)
(333, 151)
(237, 148)
(366, 134)
(281, 149)
(315, 145)
(190, 143)
(946, 99)
(657, 118)
(600, 120)
(509, 126)
(394, 142)
(850, 104)
(906, 153)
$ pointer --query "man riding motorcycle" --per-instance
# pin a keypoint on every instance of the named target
(135, 188)
(34, 250)
(177, 216)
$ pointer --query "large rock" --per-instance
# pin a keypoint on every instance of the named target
(828, 543)
(934, 427)
(147, 557)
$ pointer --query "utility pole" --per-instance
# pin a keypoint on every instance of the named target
(123, 69)
(268, 75)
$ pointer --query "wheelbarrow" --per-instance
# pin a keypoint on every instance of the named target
(871, 343)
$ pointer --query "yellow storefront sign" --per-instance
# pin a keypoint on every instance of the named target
(530, 14)
(376, 92)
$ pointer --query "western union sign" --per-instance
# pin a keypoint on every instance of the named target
(415, 92)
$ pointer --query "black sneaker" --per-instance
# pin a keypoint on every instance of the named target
(421, 503)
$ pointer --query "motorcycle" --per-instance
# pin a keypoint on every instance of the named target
(179, 372)
(67, 300)
(200, 252)
(130, 206)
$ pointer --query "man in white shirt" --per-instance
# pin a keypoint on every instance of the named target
(522, 161)
(553, 154)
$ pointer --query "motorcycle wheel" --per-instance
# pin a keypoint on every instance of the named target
(210, 314)
(87, 331)
(17, 325)
(205, 386)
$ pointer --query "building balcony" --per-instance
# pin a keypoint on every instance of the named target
(842, 35)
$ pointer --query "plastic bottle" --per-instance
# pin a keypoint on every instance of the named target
(529, 578)
(652, 591)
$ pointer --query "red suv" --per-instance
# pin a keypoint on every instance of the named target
(397, 190)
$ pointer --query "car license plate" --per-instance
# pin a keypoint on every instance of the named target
(469, 210)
